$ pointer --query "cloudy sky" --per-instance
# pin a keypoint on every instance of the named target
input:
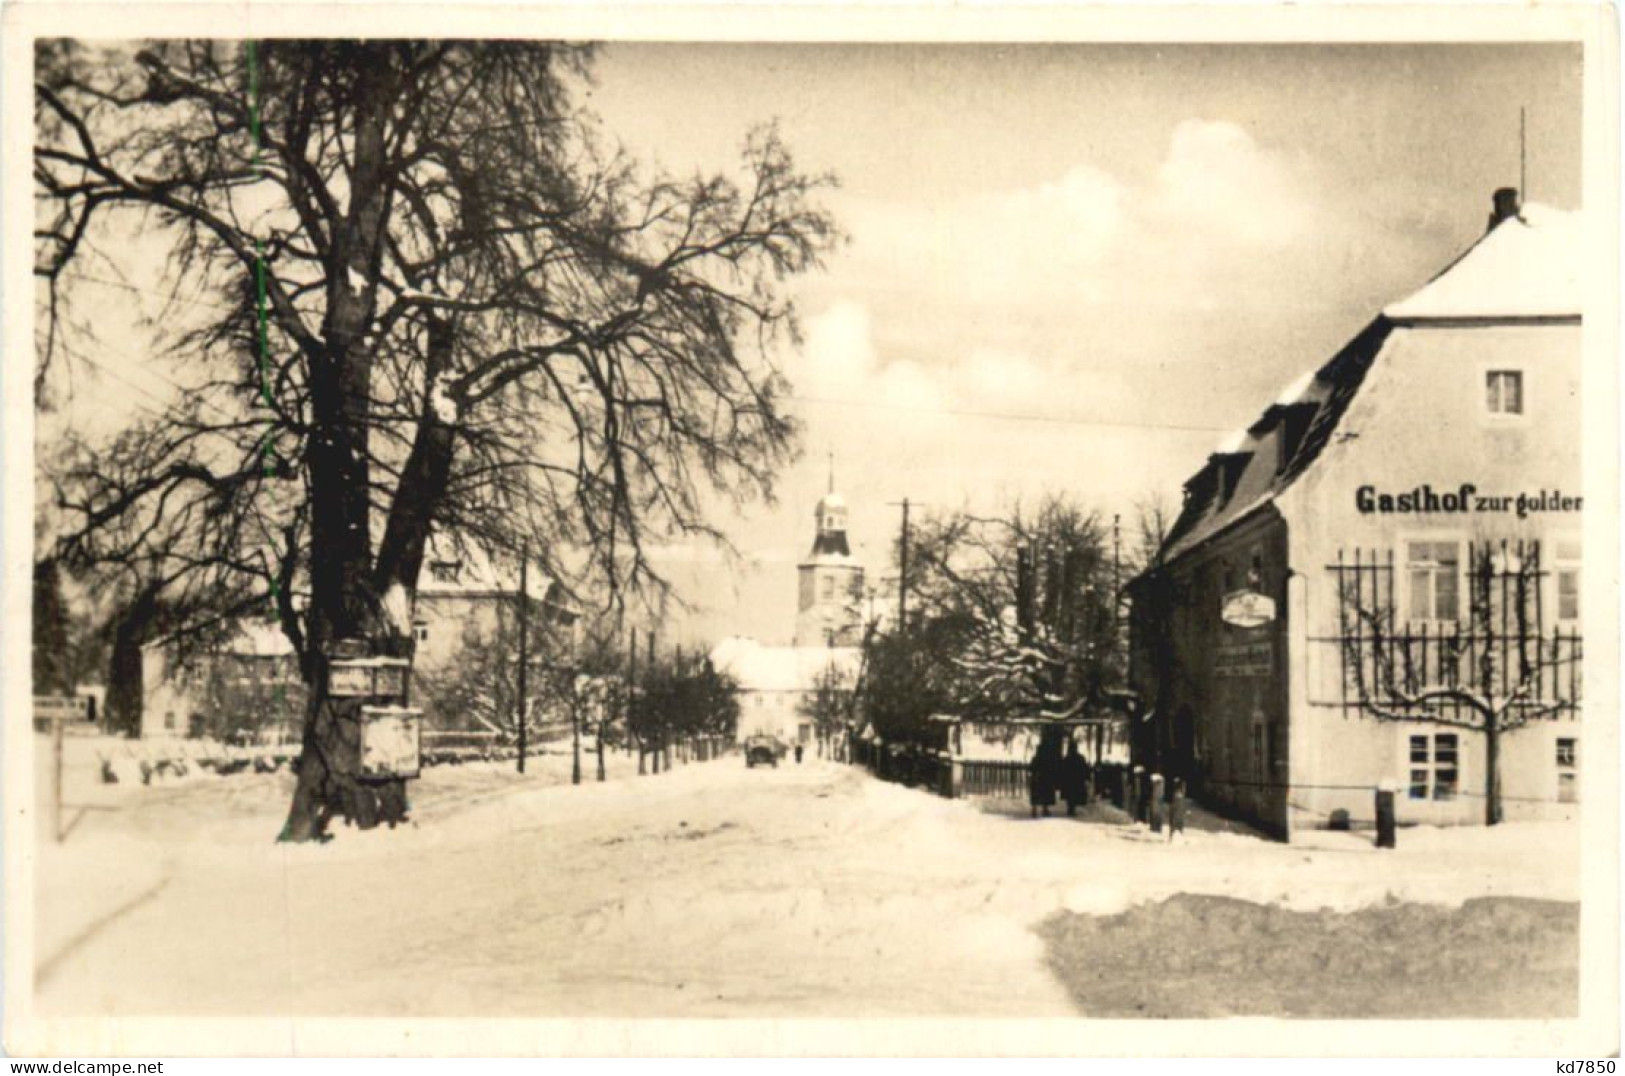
(1069, 268)
(1073, 268)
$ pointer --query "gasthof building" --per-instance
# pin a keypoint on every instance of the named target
(1378, 581)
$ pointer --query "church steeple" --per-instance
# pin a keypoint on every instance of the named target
(831, 579)
(830, 537)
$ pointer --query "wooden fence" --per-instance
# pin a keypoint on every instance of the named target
(993, 779)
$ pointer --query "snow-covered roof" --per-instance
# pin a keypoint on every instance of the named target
(261, 639)
(780, 668)
(1297, 391)
(1234, 442)
(831, 559)
(1525, 267)
(476, 575)
(1528, 266)
(249, 638)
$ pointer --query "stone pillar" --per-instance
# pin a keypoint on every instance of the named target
(1387, 821)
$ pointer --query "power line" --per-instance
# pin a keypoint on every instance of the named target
(184, 390)
(1010, 416)
(165, 296)
(115, 375)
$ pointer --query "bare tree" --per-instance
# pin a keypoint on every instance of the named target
(1029, 599)
(829, 704)
(423, 296)
(1153, 518)
(1492, 673)
(477, 688)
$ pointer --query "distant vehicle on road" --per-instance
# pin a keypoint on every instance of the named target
(762, 749)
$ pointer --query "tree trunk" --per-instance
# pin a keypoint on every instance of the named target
(1492, 770)
(124, 687)
(600, 751)
(345, 592)
(51, 676)
(329, 768)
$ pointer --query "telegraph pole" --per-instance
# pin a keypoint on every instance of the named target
(659, 720)
(524, 658)
(902, 569)
(632, 736)
(1117, 579)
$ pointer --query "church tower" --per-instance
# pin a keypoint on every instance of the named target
(829, 611)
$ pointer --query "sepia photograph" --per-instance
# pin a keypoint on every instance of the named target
(543, 521)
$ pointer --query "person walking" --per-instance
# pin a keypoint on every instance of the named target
(1176, 807)
(798, 753)
(1074, 780)
(1043, 774)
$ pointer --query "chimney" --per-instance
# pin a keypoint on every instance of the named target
(1505, 206)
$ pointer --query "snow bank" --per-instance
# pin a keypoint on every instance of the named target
(710, 890)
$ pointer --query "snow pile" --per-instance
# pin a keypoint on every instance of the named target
(709, 890)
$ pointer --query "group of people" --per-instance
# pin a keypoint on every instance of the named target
(1052, 774)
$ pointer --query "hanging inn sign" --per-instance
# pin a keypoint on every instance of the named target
(1249, 656)
(1247, 609)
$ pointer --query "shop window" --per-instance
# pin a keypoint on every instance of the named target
(1503, 392)
(1568, 771)
(1433, 574)
(1435, 766)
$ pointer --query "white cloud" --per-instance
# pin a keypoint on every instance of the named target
(1218, 183)
(996, 247)
(839, 351)
(1221, 220)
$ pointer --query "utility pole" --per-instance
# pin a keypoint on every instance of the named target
(524, 634)
(902, 569)
(1117, 578)
(660, 740)
(573, 693)
(632, 735)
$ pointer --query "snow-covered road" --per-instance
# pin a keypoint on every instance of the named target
(711, 890)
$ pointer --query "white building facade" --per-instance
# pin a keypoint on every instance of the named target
(1397, 536)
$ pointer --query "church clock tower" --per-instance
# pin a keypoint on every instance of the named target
(829, 611)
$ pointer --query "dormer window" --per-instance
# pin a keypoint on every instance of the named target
(1231, 468)
(1503, 392)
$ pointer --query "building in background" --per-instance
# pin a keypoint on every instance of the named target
(1390, 550)
(778, 684)
(244, 688)
(830, 596)
(247, 685)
